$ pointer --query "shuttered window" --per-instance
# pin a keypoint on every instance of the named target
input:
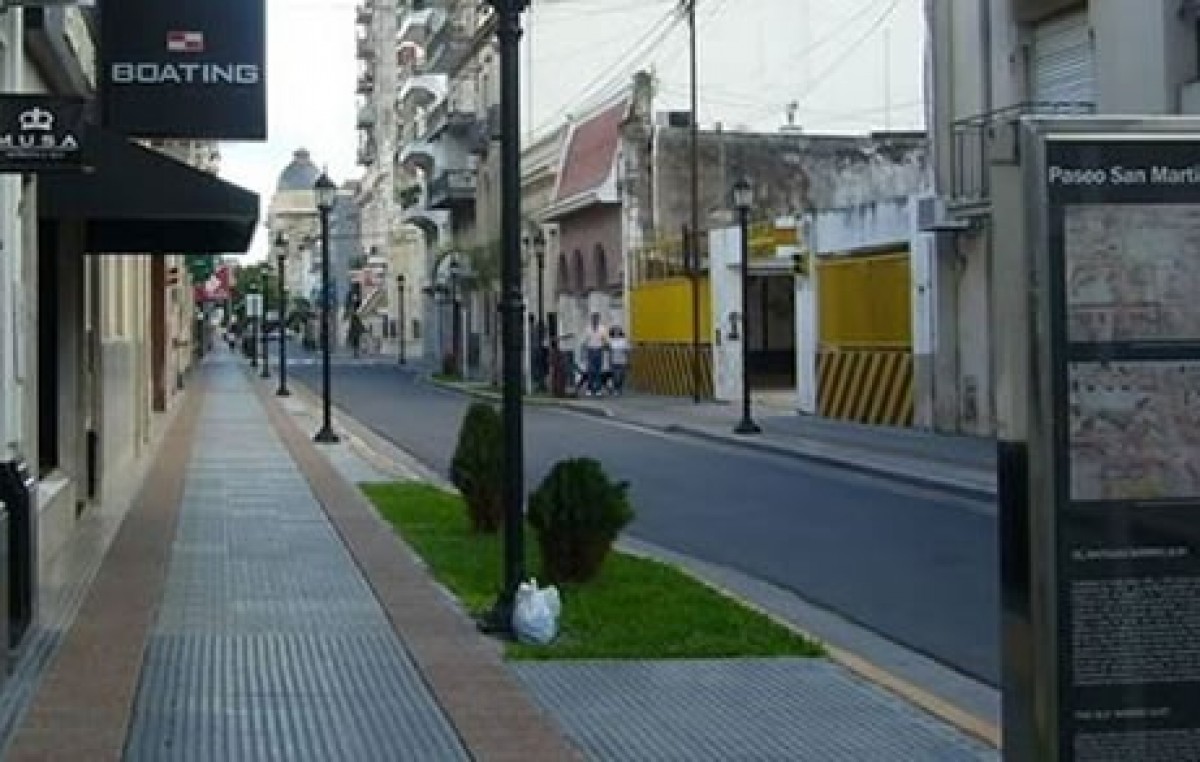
(1063, 61)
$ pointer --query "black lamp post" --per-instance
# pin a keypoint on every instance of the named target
(400, 329)
(281, 252)
(455, 337)
(252, 324)
(326, 192)
(743, 198)
(262, 323)
(539, 253)
(508, 30)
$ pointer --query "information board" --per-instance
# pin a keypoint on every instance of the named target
(1123, 227)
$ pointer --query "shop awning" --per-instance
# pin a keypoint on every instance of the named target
(136, 200)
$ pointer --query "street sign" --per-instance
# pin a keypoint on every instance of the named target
(254, 305)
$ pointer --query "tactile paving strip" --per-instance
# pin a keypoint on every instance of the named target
(269, 645)
(745, 709)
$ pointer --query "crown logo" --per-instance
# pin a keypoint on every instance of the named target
(37, 119)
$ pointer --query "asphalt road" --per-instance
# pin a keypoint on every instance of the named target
(917, 567)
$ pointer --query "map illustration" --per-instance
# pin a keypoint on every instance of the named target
(1134, 430)
(1133, 272)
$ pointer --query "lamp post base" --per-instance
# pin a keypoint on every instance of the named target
(326, 436)
(747, 426)
(283, 391)
(497, 620)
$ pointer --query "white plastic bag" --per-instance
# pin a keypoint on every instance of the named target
(535, 615)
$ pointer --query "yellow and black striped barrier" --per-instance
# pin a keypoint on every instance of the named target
(667, 369)
(866, 385)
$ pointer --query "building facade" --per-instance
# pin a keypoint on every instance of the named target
(989, 64)
(97, 314)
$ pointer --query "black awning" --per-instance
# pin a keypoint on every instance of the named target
(136, 200)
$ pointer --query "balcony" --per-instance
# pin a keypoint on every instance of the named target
(366, 117)
(364, 47)
(366, 154)
(419, 154)
(978, 141)
(452, 188)
(422, 90)
(408, 197)
(484, 131)
(364, 13)
(419, 26)
(366, 83)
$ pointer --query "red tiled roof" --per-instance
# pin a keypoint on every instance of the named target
(590, 154)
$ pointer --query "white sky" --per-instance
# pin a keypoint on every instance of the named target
(755, 56)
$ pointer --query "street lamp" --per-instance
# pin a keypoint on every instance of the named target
(326, 191)
(262, 323)
(508, 31)
(454, 319)
(743, 198)
(281, 253)
(539, 253)
(400, 315)
(252, 324)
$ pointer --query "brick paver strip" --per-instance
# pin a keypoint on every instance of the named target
(82, 708)
(494, 716)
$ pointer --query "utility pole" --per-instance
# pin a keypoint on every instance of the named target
(691, 243)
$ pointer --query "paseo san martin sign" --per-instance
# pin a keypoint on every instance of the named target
(185, 69)
(40, 133)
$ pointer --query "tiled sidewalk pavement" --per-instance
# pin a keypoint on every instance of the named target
(798, 710)
(269, 644)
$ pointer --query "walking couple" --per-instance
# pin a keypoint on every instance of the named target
(606, 351)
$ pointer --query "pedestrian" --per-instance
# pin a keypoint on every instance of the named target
(618, 352)
(595, 342)
(356, 334)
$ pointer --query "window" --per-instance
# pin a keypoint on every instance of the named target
(579, 279)
(601, 267)
(564, 276)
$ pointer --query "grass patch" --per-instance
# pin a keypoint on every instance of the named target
(635, 609)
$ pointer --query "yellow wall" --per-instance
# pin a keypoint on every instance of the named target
(865, 301)
(661, 311)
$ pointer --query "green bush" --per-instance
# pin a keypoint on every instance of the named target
(450, 366)
(478, 466)
(577, 512)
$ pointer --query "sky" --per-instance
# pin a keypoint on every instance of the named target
(848, 66)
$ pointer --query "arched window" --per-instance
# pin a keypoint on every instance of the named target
(579, 278)
(600, 266)
(563, 275)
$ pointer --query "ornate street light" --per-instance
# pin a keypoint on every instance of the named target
(743, 199)
(281, 254)
(326, 192)
(400, 314)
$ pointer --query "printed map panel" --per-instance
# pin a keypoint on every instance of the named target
(1133, 272)
(1134, 430)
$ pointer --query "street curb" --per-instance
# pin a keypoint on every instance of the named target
(915, 480)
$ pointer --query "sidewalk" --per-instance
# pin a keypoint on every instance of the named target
(253, 607)
(961, 464)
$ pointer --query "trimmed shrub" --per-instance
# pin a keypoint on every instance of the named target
(478, 466)
(577, 512)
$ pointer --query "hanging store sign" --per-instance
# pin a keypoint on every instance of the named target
(189, 69)
(41, 133)
(1115, 437)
